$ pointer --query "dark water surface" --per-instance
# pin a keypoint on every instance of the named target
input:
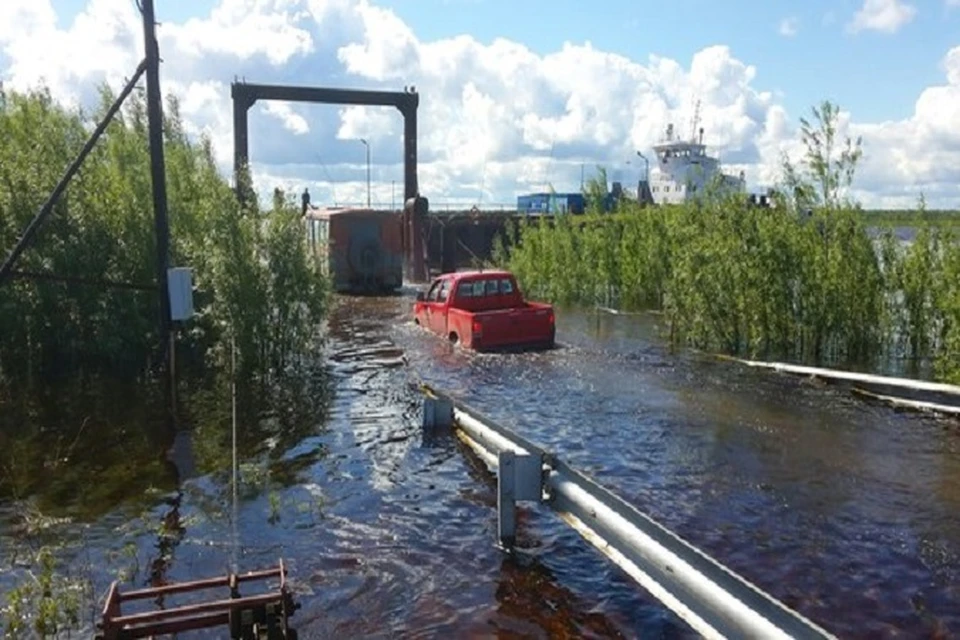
(843, 509)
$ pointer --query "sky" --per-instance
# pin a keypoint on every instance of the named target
(519, 97)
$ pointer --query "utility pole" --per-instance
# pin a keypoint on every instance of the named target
(158, 171)
(367, 146)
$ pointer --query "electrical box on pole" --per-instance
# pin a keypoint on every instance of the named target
(180, 289)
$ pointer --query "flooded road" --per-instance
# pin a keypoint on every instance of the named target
(843, 509)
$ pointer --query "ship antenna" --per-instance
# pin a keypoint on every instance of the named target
(696, 121)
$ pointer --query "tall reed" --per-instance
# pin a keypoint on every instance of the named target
(805, 280)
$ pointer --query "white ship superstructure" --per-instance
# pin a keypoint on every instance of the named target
(683, 168)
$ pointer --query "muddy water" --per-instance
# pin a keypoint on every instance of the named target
(843, 509)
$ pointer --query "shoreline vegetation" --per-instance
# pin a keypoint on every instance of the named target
(256, 284)
(743, 281)
(79, 396)
(913, 218)
(804, 281)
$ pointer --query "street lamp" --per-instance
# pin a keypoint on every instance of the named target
(646, 164)
(367, 145)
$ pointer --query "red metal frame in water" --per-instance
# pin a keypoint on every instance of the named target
(360, 249)
(264, 615)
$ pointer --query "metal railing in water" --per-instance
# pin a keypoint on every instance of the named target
(712, 599)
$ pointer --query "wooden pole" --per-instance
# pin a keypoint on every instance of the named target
(158, 173)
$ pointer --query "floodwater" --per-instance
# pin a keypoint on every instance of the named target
(843, 509)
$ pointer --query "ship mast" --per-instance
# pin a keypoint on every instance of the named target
(696, 121)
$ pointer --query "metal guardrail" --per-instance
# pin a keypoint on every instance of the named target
(712, 599)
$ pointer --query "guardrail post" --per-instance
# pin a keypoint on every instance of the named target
(437, 414)
(519, 478)
(710, 597)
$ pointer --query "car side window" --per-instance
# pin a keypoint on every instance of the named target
(492, 288)
(506, 287)
(465, 290)
(434, 290)
(444, 291)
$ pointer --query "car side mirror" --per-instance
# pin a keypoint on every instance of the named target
(421, 296)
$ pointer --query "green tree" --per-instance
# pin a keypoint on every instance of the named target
(829, 164)
(250, 270)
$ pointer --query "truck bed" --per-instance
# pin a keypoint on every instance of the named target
(528, 323)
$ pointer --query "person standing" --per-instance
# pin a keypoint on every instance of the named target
(305, 201)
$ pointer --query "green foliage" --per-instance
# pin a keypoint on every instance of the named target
(825, 173)
(805, 280)
(254, 280)
(45, 604)
(912, 218)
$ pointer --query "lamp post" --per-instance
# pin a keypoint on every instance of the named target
(646, 164)
(367, 146)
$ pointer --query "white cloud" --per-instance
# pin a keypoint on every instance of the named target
(293, 122)
(885, 16)
(99, 46)
(788, 27)
(495, 119)
(921, 153)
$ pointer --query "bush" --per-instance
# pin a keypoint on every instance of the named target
(803, 280)
(255, 281)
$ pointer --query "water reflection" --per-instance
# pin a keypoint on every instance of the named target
(841, 508)
(60, 439)
(828, 502)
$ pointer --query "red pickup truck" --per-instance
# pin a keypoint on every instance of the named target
(484, 310)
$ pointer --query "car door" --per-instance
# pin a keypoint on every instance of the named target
(438, 315)
(426, 307)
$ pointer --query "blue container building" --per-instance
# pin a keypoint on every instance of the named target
(551, 203)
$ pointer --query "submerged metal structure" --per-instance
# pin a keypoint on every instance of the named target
(245, 95)
(265, 615)
(712, 599)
